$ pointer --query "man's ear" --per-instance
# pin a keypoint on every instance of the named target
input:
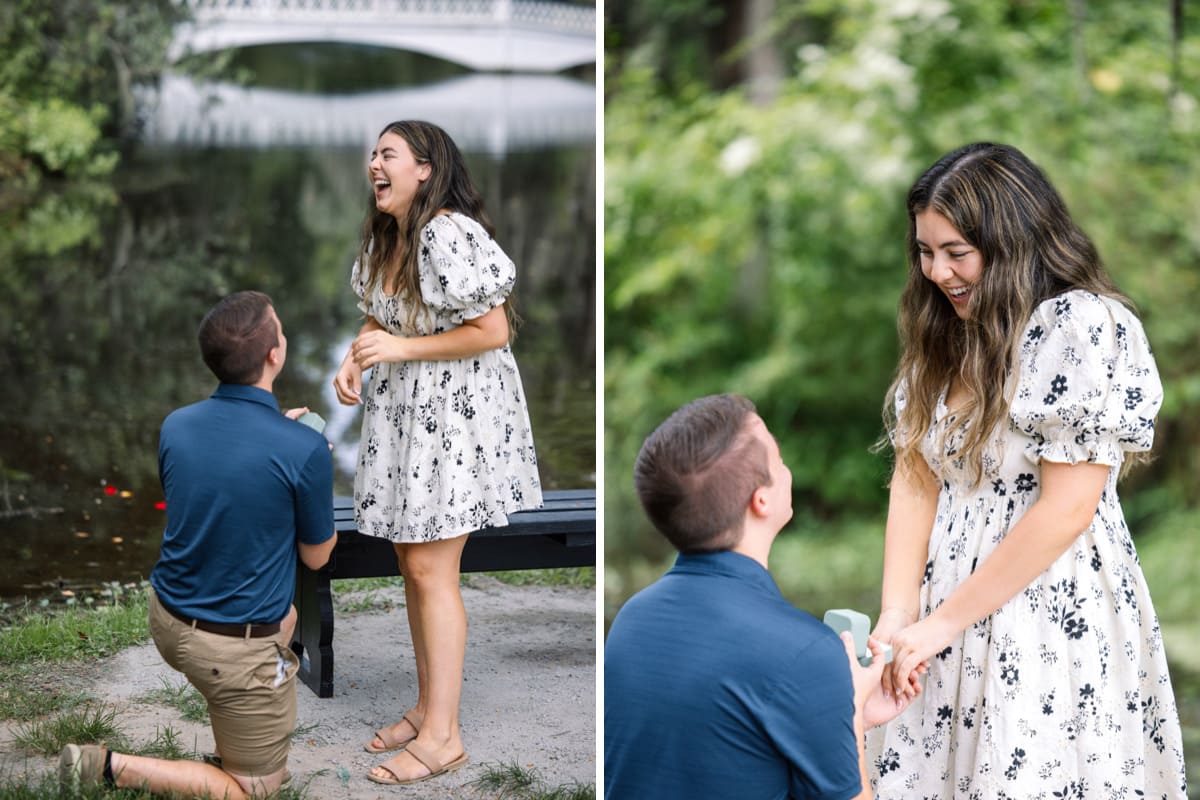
(273, 356)
(759, 502)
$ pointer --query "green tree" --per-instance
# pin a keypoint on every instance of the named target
(757, 247)
(67, 78)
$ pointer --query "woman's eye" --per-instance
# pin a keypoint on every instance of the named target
(959, 255)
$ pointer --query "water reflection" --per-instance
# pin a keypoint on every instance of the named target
(496, 114)
(105, 285)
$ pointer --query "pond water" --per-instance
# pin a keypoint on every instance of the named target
(262, 185)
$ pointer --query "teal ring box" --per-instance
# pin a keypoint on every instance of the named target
(859, 625)
(312, 420)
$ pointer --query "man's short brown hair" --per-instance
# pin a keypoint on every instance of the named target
(236, 335)
(696, 472)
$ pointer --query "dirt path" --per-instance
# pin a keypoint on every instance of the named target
(529, 694)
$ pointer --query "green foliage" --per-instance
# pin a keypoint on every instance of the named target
(1169, 551)
(63, 136)
(758, 247)
(66, 82)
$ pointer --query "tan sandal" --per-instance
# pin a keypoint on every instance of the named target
(426, 761)
(387, 748)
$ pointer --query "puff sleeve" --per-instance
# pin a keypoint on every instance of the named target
(464, 273)
(1087, 388)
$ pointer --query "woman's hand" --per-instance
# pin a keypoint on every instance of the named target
(296, 413)
(348, 382)
(374, 347)
(891, 621)
(914, 646)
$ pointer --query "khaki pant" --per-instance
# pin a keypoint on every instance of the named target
(250, 686)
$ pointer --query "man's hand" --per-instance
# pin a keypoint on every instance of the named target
(869, 700)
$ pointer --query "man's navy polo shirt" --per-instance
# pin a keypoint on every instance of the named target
(243, 485)
(716, 687)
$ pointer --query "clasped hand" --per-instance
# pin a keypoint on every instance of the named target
(367, 350)
(912, 647)
(373, 347)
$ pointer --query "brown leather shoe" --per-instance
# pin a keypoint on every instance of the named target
(80, 766)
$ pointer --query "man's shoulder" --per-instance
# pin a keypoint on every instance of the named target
(185, 415)
(763, 621)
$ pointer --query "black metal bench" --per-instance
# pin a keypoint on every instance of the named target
(560, 534)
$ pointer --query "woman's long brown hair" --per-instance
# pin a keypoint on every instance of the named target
(389, 249)
(1006, 208)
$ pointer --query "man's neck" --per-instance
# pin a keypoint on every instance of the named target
(755, 547)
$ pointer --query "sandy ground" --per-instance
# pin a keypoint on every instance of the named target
(529, 694)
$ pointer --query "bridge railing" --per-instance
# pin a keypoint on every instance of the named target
(564, 17)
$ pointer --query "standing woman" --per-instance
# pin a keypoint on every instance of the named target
(1025, 384)
(446, 443)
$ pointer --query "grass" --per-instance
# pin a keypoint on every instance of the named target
(354, 595)
(90, 724)
(165, 744)
(182, 697)
(44, 648)
(16, 788)
(551, 576)
(25, 696)
(40, 647)
(76, 632)
(554, 576)
(513, 782)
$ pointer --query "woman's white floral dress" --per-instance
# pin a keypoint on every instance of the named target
(446, 445)
(1063, 692)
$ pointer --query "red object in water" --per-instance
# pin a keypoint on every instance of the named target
(110, 490)
(160, 505)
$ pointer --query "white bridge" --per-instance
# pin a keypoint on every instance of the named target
(493, 114)
(484, 35)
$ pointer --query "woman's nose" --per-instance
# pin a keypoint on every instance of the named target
(940, 269)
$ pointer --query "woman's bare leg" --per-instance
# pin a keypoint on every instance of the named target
(432, 572)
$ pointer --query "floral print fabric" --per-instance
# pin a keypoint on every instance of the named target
(1063, 692)
(446, 445)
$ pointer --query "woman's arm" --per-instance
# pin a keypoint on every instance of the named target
(1070, 495)
(912, 506)
(474, 336)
